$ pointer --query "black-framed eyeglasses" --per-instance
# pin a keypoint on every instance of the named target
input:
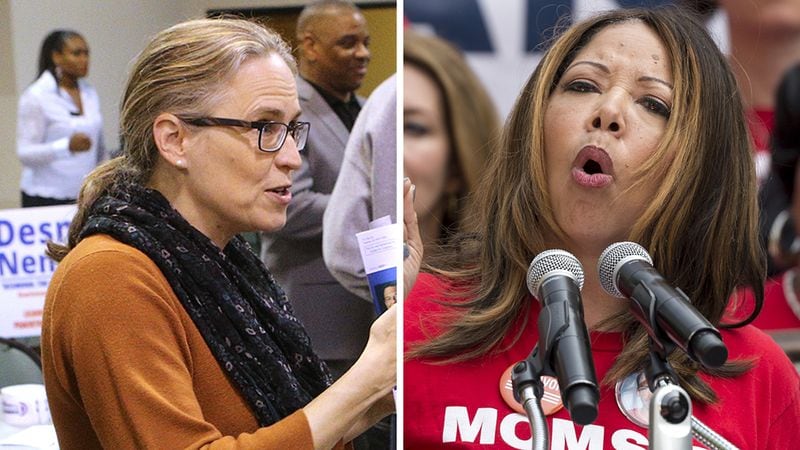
(271, 134)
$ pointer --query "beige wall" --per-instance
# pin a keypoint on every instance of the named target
(115, 30)
(383, 36)
(10, 167)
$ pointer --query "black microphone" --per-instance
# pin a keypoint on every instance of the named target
(626, 270)
(555, 278)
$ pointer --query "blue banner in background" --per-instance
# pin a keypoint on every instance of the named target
(25, 270)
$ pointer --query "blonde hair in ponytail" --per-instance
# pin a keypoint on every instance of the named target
(95, 184)
(183, 70)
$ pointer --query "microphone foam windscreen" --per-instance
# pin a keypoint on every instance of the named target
(612, 259)
(551, 262)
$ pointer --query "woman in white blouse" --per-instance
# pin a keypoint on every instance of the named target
(59, 126)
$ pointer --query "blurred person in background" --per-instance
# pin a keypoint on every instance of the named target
(764, 45)
(333, 42)
(781, 309)
(764, 40)
(449, 126)
(366, 189)
(59, 125)
(333, 56)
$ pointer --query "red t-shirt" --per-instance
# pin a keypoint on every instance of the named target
(459, 405)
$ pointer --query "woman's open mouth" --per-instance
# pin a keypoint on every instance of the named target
(593, 167)
(282, 194)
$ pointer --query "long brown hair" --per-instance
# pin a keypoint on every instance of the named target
(183, 70)
(470, 116)
(700, 228)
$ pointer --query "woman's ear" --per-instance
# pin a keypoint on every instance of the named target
(169, 133)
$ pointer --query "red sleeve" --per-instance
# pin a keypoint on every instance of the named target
(761, 408)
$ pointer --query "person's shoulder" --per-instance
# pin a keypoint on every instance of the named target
(104, 283)
(428, 286)
(386, 88)
(420, 307)
(43, 85)
(104, 249)
(771, 386)
(744, 340)
(101, 264)
(304, 88)
(381, 106)
(750, 343)
(383, 94)
(45, 82)
(774, 309)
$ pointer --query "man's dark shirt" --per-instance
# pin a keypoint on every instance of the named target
(346, 111)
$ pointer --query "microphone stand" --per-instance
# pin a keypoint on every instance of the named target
(528, 389)
(671, 424)
(670, 407)
(527, 383)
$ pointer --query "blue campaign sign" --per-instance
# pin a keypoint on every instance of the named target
(25, 270)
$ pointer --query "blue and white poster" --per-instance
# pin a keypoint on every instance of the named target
(25, 270)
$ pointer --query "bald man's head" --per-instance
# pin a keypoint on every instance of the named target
(315, 13)
(334, 43)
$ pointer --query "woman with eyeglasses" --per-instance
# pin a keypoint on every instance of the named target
(59, 124)
(161, 328)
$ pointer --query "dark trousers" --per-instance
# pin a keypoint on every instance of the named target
(29, 201)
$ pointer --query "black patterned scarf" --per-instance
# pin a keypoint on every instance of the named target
(240, 310)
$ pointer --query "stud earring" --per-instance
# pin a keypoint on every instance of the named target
(180, 163)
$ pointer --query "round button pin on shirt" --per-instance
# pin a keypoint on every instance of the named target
(633, 398)
(551, 400)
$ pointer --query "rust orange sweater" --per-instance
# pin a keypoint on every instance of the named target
(126, 368)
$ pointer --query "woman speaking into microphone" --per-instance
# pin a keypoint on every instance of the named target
(630, 129)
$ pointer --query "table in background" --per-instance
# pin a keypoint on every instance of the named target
(7, 431)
